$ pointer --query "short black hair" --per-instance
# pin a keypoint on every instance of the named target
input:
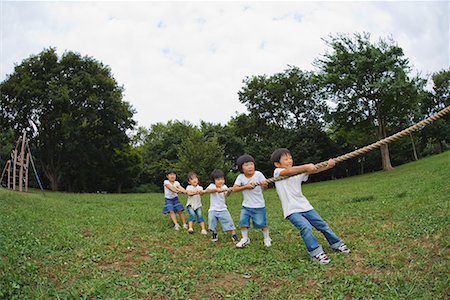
(170, 171)
(191, 175)
(242, 160)
(217, 173)
(277, 154)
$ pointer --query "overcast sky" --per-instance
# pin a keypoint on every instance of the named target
(187, 60)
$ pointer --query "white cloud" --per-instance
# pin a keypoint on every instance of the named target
(187, 60)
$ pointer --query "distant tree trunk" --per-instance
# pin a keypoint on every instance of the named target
(381, 131)
(53, 180)
(413, 146)
(119, 187)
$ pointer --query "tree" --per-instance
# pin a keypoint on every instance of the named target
(6, 146)
(126, 166)
(289, 99)
(160, 149)
(80, 113)
(201, 155)
(370, 84)
(232, 144)
(436, 137)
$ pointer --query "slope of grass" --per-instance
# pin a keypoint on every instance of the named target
(121, 246)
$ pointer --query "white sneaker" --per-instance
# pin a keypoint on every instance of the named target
(267, 242)
(177, 227)
(342, 248)
(321, 258)
(191, 230)
(243, 242)
(204, 232)
(185, 226)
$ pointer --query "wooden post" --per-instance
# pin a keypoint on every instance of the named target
(14, 169)
(9, 174)
(22, 161)
(26, 171)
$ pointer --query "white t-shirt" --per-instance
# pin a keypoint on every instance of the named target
(217, 200)
(168, 193)
(252, 198)
(290, 193)
(194, 201)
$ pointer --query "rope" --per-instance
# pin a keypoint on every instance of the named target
(372, 146)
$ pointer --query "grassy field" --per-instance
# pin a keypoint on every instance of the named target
(95, 246)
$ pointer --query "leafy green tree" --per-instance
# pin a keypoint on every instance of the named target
(126, 166)
(232, 144)
(201, 155)
(435, 137)
(370, 84)
(6, 146)
(160, 149)
(289, 99)
(78, 107)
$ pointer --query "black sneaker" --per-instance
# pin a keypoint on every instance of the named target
(214, 237)
(235, 238)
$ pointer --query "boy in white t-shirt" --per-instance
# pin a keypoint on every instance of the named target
(253, 206)
(218, 211)
(194, 203)
(296, 207)
(172, 204)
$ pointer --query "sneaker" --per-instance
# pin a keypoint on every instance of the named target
(321, 258)
(191, 230)
(242, 243)
(214, 237)
(177, 227)
(185, 226)
(204, 232)
(235, 238)
(267, 242)
(342, 248)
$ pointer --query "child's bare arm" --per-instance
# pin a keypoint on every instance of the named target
(330, 164)
(238, 188)
(308, 168)
(181, 189)
(211, 190)
(171, 187)
(192, 193)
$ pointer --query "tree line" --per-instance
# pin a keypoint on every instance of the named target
(87, 140)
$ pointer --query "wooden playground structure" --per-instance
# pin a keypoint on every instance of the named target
(15, 172)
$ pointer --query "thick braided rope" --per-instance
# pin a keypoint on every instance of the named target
(373, 146)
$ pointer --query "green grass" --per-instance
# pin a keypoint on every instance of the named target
(121, 246)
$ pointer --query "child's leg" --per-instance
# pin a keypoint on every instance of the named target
(199, 217)
(202, 225)
(305, 229)
(244, 224)
(183, 219)
(265, 232)
(191, 216)
(316, 220)
(227, 224)
(212, 221)
(173, 217)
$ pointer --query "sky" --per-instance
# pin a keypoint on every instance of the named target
(187, 60)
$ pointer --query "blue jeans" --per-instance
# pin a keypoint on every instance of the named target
(195, 214)
(222, 216)
(258, 216)
(304, 222)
